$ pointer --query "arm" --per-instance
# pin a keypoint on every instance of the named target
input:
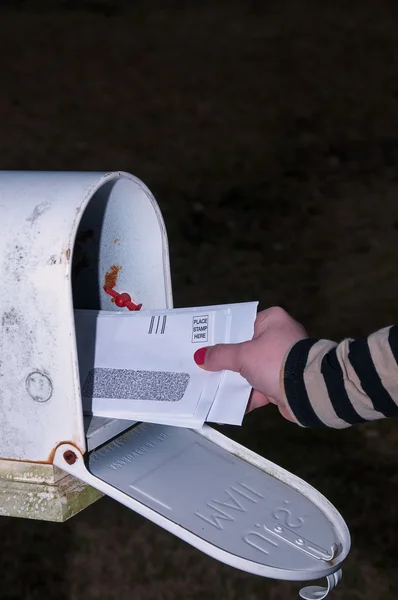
(314, 382)
(337, 385)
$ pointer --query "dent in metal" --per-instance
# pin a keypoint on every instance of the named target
(39, 387)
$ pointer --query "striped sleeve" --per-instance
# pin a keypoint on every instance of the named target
(338, 385)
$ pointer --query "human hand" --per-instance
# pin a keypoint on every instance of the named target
(259, 360)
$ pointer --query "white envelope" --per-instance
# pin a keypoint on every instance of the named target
(140, 366)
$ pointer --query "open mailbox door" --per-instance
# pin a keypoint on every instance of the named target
(221, 498)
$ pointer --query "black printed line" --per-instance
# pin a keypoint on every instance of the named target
(157, 325)
(164, 324)
(151, 324)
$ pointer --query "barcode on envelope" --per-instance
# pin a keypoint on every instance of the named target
(127, 384)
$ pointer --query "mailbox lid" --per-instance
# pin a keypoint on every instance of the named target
(223, 499)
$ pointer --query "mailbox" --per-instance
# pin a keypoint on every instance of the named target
(65, 237)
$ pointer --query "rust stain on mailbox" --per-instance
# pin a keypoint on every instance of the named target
(111, 276)
(50, 459)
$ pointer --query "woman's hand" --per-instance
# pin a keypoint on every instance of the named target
(259, 360)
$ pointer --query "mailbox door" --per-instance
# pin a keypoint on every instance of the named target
(223, 499)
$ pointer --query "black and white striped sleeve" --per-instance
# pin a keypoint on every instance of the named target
(337, 385)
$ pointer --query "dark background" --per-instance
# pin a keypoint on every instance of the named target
(268, 131)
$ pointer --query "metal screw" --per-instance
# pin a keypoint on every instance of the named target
(70, 457)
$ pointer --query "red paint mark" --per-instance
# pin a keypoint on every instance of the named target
(111, 277)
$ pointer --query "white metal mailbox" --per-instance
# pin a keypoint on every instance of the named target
(64, 236)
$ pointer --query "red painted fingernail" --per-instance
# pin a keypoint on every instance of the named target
(199, 356)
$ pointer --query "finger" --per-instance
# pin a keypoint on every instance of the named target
(257, 399)
(220, 357)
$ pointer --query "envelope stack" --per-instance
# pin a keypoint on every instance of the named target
(139, 366)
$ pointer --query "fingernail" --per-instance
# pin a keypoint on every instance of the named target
(199, 356)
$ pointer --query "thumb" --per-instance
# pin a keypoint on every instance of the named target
(220, 357)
